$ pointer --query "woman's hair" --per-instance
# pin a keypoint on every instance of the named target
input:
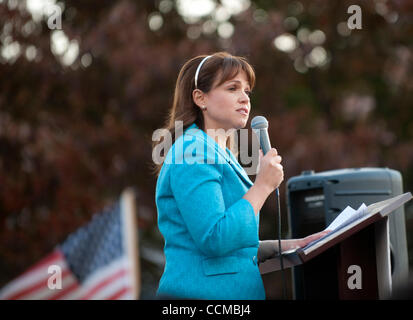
(220, 67)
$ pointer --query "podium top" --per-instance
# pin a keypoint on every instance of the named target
(373, 213)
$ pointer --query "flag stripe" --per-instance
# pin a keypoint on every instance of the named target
(109, 290)
(119, 294)
(65, 292)
(127, 295)
(35, 287)
(56, 255)
(102, 284)
(28, 279)
(104, 272)
(96, 278)
(44, 292)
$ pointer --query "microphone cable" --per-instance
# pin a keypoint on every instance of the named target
(259, 125)
(284, 286)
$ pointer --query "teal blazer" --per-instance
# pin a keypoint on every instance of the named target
(210, 231)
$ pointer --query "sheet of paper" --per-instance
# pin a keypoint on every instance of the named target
(361, 211)
(341, 218)
(346, 216)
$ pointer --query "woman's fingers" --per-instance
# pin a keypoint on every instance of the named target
(270, 172)
(313, 237)
(277, 165)
(272, 154)
(316, 236)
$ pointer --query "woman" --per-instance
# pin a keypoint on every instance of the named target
(208, 208)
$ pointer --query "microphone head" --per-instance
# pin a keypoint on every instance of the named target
(259, 122)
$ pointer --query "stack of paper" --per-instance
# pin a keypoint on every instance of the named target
(347, 216)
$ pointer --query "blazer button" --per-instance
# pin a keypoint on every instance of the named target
(254, 260)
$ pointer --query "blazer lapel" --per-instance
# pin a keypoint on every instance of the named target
(240, 170)
(230, 159)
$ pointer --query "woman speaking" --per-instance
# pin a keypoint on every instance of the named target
(208, 208)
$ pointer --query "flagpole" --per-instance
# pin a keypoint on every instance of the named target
(131, 232)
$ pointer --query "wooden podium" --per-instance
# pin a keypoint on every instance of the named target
(352, 262)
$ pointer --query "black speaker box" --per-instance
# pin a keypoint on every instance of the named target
(315, 199)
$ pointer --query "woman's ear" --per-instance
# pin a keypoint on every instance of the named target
(199, 97)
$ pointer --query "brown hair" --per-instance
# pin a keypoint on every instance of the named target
(220, 67)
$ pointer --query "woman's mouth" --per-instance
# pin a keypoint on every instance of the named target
(243, 111)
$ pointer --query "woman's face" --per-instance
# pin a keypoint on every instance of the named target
(228, 105)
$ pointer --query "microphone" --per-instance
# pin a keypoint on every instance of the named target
(259, 125)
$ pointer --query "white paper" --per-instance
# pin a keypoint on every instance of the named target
(346, 216)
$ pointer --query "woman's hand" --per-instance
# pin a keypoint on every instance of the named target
(269, 177)
(271, 172)
(312, 237)
(269, 248)
(301, 243)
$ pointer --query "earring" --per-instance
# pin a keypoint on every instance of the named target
(203, 108)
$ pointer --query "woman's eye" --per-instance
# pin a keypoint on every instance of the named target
(234, 89)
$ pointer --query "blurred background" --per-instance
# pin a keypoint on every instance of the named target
(79, 102)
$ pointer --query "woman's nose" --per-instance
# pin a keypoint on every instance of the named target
(244, 97)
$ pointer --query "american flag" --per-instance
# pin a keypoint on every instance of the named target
(96, 262)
